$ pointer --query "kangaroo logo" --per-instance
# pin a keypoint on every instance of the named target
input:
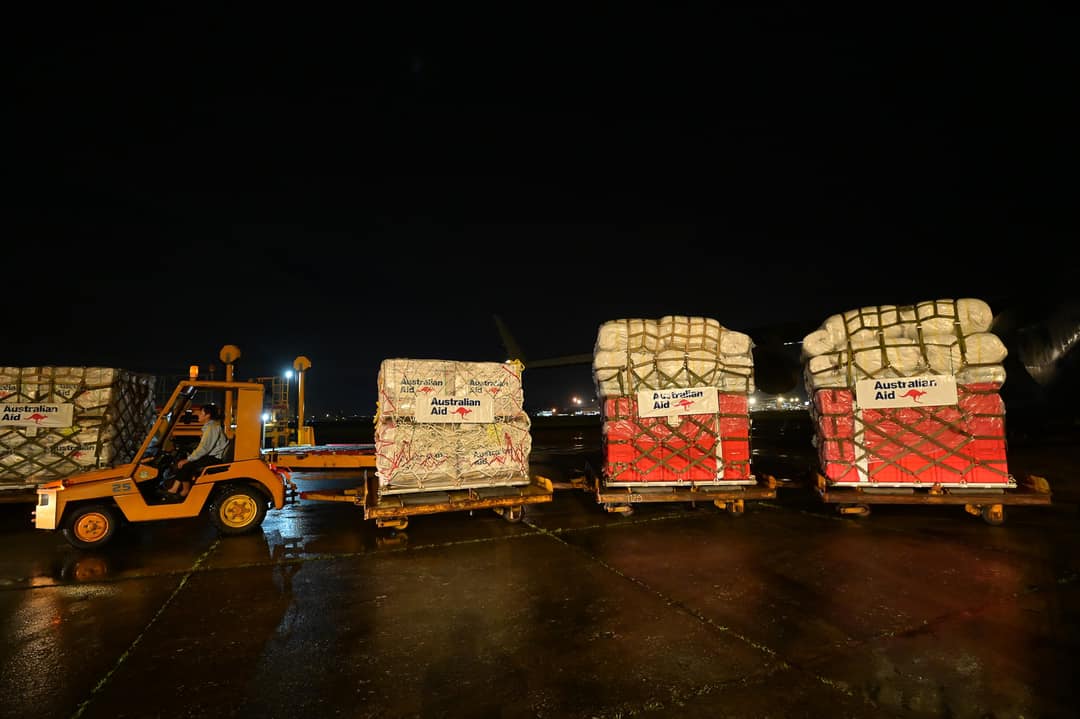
(462, 411)
(684, 403)
(425, 389)
(36, 417)
(914, 394)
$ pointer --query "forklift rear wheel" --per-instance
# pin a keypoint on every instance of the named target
(238, 510)
(90, 526)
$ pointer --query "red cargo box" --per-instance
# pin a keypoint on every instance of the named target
(961, 445)
(697, 448)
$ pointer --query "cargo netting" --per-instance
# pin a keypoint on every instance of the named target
(696, 376)
(895, 436)
(111, 410)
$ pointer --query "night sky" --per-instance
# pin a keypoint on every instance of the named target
(354, 187)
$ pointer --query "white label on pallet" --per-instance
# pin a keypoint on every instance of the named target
(922, 391)
(36, 414)
(675, 402)
(470, 410)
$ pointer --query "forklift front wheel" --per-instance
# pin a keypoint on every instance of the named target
(90, 526)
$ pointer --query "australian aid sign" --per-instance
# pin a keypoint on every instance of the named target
(471, 410)
(923, 391)
(674, 402)
(36, 414)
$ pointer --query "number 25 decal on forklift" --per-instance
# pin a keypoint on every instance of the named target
(121, 487)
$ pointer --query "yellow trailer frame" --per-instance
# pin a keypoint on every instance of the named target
(988, 504)
(394, 510)
(731, 498)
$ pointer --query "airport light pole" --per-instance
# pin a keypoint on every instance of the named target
(288, 412)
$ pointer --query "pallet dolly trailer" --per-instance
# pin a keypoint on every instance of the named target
(986, 503)
(394, 510)
(729, 498)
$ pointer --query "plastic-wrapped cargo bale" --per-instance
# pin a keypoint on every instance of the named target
(422, 457)
(629, 335)
(445, 425)
(57, 421)
(403, 381)
(675, 409)
(719, 358)
(964, 316)
(903, 396)
(974, 358)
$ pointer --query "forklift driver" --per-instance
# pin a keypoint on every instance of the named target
(211, 450)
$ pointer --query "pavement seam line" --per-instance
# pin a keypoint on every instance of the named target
(782, 663)
(153, 620)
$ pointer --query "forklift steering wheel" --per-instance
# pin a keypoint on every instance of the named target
(164, 460)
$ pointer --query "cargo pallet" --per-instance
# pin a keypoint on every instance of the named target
(985, 503)
(730, 498)
(327, 456)
(394, 510)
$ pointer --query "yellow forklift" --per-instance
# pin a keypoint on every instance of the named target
(236, 494)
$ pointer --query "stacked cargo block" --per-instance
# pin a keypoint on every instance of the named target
(675, 402)
(58, 421)
(444, 425)
(909, 396)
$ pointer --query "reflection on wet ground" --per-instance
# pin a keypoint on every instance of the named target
(677, 610)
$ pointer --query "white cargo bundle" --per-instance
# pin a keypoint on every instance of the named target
(404, 382)
(947, 337)
(933, 317)
(57, 421)
(420, 457)
(977, 359)
(672, 352)
(444, 425)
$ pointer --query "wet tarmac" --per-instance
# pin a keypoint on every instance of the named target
(677, 610)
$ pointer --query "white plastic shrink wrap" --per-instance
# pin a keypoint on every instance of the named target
(672, 352)
(110, 409)
(416, 454)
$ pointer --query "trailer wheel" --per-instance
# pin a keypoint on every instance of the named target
(238, 510)
(854, 510)
(993, 514)
(90, 526)
(514, 514)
